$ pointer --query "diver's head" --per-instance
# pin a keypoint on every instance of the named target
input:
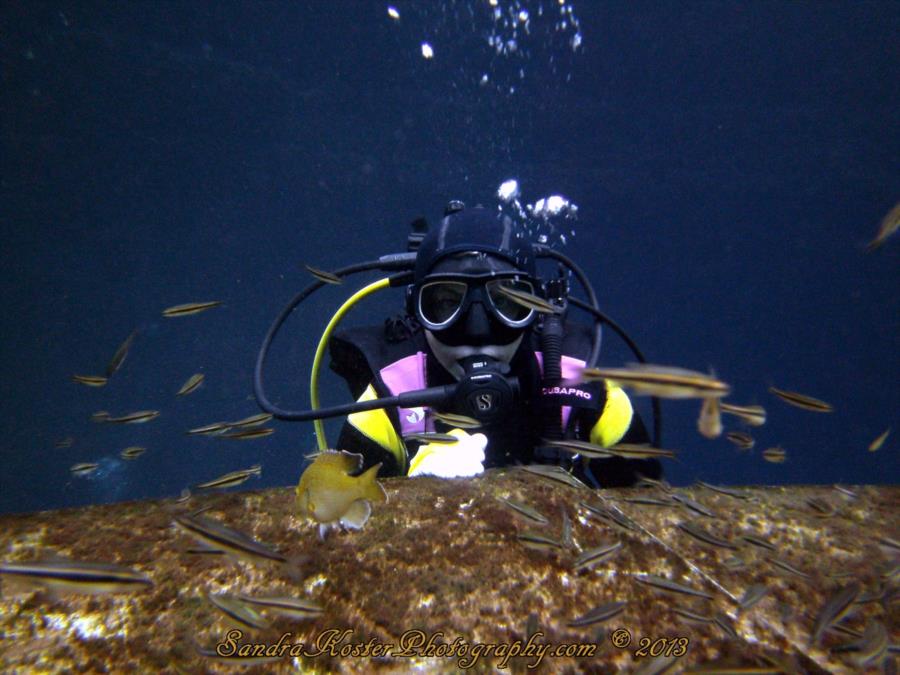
(460, 267)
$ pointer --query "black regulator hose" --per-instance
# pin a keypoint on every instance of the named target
(400, 261)
(547, 252)
(552, 333)
(603, 318)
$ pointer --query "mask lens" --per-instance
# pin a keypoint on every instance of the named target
(508, 308)
(439, 301)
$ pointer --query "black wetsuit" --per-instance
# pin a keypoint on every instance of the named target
(516, 439)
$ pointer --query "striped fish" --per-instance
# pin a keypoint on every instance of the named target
(191, 384)
(524, 510)
(190, 308)
(214, 428)
(214, 534)
(132, 452)
(595, 556)
(875, 445)
(252, 421)
(661, 381)
(230, 479)
(638, 451)
(90, 380)
(138, 417)
(237, 611)
(528, 300)
(599, 614)
(722, 490)
(295, 608)
(785, 566)
(835, 609)
(776, 455)
(742, 440)
(119, 357)
(802, 401)
(431, 437)
(704, 536)
(582, 448)
(77, 576)
(752, 596)
(754, 415)
(696, 507)
(323, 276)
(457, 420)
(83, 468)
(248, 434)
(554, 473)
(668, 586)
(538, 541)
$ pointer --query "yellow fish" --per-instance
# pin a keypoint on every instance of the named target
(330, 495)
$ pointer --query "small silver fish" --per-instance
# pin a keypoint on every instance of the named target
(875, 445)
(554, 473)
(661, 381)
(666, 585)
(77, 576)
(431, 437)
(132, 452)
(237, 611)
(213, 534)
(889, 225)
(595, 556)
(722, 490)
(692, 616)
(802, 401)
(785, 566)
(90, 380)
(457, 420)
(214, 428)
(252, 421)
(752, 596)
(528, 300)
(138, 417)
(83, 468)
(248, 434)
(192, 383)
(696, 507)
(740, 439)
(836, 608)
(758, 542)
(295, 608)
(703, 536)
(538, 541)
(754, 415)
(599, 614)
(579, 447)
(709, 424)
(230, 479)
(119, 357)
(190, 308)
(776, 455)
(323, 276)
(524, 510)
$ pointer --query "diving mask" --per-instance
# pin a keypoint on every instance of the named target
(442, 299)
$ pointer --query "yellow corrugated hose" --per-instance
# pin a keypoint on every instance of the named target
(323, 343)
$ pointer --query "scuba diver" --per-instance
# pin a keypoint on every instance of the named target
(482, 355)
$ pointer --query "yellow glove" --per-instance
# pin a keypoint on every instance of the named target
(451, 460)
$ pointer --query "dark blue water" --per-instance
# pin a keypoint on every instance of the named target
(729, 162)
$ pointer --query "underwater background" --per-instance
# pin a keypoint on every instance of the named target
(729, 163)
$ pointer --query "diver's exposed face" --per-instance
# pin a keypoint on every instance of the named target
(478, 331)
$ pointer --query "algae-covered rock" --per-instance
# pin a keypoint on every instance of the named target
(448, 575)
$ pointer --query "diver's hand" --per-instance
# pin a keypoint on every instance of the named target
(451, 460)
